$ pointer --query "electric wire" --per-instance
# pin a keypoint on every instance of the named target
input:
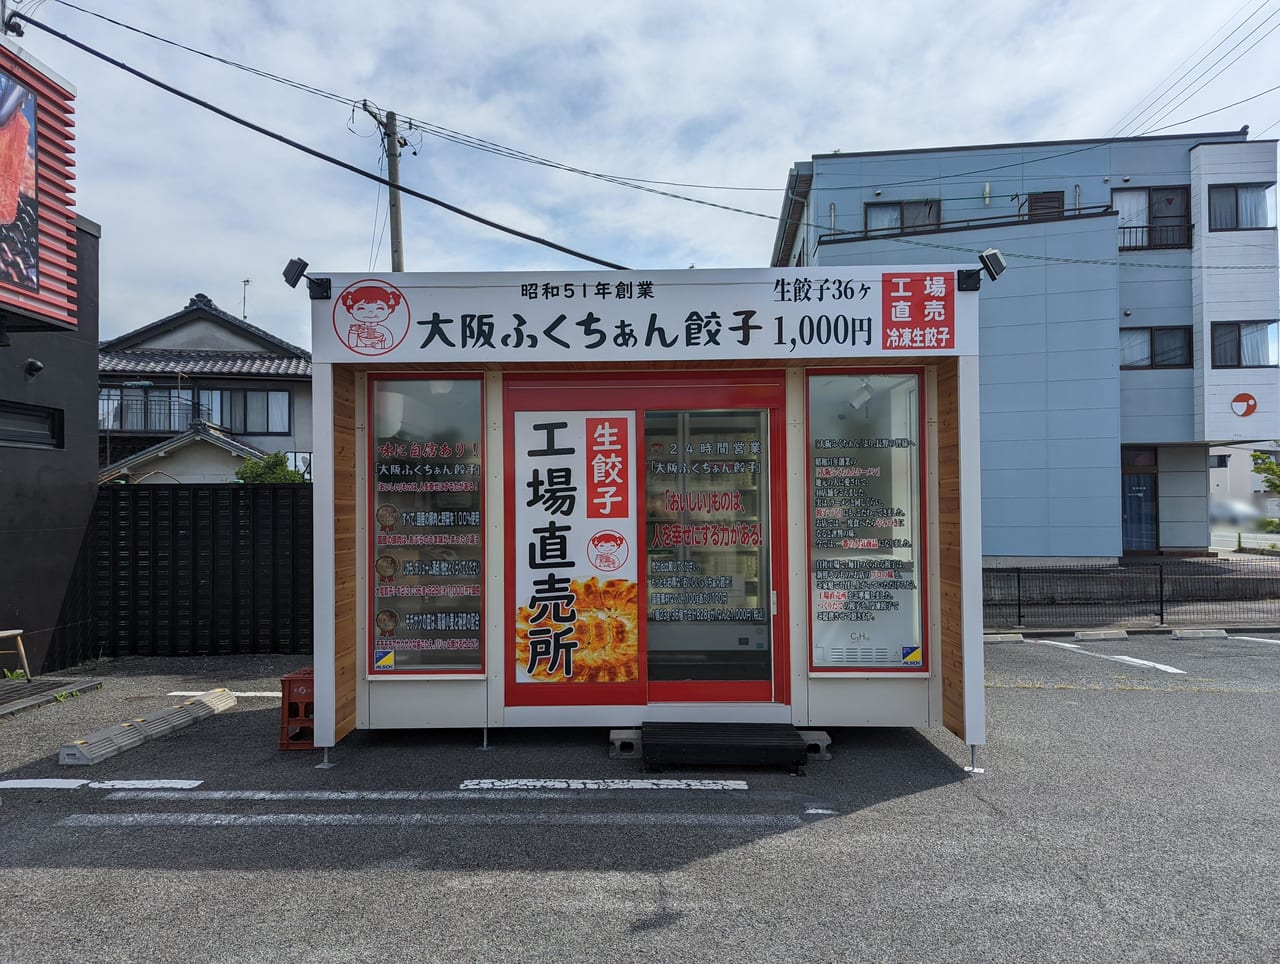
(296, 145)
(1144, 104)
(1215, 76)
(1141, 117)
(410, 123)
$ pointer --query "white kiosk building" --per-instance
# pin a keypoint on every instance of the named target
(628, 498)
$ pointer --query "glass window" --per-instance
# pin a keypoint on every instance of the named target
(1246, 344)
(865, 494)
(247, 412)
(1135, 347)
(425, 543)
(1241, 207)
(277, 412)
(108, 408)
(211, 406)
(904, 215)
(1155, 347)
(1156, 217)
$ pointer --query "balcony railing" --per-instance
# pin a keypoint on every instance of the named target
(960, 224)
(1145, 237)
(149, 415)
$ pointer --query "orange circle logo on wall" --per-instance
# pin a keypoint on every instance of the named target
(1244, 404)
(371, 317)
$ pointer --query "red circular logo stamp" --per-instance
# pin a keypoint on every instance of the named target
(1244, 404)
(608, 550)
(371, 317)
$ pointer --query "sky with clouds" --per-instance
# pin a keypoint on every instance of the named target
(705, 94)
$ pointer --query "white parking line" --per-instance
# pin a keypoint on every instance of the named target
(1256, 639)
(1118, 659)
(572, 784)
(469, 790)
(61, 783)
(514, 819)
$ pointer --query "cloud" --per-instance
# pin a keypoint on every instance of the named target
(697, 92)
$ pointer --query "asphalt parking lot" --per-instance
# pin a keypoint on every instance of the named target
(1129, 809)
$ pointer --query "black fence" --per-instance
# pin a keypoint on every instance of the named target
(192, 570)
(1209, 592)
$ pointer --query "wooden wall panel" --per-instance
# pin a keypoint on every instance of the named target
(344, 530)
(949, 535)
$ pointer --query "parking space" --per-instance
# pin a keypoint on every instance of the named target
(1128, 807)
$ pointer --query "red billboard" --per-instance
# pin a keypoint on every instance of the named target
(37, 194)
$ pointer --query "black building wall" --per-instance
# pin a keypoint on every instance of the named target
(47, 495)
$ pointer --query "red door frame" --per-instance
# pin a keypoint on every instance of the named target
(664, 391)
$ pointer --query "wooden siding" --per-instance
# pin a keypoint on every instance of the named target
(950, 573)
(344, 546)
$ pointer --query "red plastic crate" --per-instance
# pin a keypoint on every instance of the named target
(297, 710)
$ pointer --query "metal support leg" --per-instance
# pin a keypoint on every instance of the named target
(325, 764)
(973, 760)
(485, 745)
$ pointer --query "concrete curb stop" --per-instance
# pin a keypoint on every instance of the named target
(112, 740)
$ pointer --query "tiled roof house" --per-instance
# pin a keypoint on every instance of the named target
(189, 397)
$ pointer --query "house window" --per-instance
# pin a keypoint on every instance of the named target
(247, 412)
(1155, 347)
(904, 215)
(1246, 344)
(1044, 205)
(1156, 217)
(1242, 207)
(139, 407)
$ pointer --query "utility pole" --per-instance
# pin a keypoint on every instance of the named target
(392, 138)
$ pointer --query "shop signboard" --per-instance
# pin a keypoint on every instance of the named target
(37, 191)
(649, 316)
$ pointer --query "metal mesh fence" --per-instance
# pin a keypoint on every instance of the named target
(1210, 591)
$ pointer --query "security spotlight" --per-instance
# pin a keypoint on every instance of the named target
(993, 263)
(294, 272)
(33, 367)
(320, 289)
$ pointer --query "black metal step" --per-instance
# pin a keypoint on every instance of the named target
(722, 744)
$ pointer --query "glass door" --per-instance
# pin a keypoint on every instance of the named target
(707, 533)
(1140, 523)
(700, 549)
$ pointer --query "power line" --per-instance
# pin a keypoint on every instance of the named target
(414, 124)
(1219, 110)
(1215, 76)
(436, 130)
(304, 148)
(1147, 100)
(1111, 262)
(1137, 119)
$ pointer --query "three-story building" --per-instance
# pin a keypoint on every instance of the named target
(1134, 329)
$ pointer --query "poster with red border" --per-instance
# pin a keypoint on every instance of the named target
(577, 618)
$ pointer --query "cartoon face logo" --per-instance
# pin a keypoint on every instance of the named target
(608, 550)
(371, 317)
(1244, 404)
